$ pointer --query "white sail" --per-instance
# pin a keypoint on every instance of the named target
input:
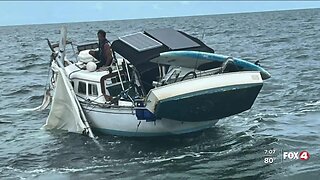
(64, 113)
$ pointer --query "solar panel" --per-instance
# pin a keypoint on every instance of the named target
(172, 38)
(140, 41)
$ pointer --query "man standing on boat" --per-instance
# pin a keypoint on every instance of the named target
(104, 54)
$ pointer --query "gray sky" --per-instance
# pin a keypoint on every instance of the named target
(39, 12)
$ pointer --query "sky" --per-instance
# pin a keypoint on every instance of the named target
(45, 12)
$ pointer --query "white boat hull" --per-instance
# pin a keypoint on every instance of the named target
(123, 122)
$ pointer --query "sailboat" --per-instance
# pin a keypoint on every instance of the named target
(161, 82)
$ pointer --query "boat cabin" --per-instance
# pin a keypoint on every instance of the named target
(103, 85)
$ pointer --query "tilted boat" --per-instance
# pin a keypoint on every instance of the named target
(161, 82)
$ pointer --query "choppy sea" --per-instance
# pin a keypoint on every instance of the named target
(285, 116)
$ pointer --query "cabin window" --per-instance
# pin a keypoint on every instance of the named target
(93, 90)
(72, 83)
(82, 87)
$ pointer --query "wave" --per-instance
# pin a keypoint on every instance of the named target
(32, 66)
(29, 57)
(17, 92)
(314, 103)
(5, 122)
(35, 97)
(302, 56)
(23, 44)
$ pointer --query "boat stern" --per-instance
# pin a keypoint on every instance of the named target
(206, 98)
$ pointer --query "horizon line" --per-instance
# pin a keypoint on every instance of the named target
(182, 16)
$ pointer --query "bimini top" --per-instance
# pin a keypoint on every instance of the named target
(139, 48)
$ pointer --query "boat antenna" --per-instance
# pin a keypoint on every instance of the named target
(203, 33)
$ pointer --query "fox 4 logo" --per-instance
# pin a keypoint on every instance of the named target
(303, 155)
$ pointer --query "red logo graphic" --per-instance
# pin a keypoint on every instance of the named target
(304, 155)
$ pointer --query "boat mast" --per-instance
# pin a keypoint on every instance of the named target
(60, 60)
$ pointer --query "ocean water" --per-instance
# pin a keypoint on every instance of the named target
(285, 116)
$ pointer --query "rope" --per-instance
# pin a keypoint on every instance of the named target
(74, 52)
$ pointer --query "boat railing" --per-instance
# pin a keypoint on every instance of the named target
(87, 46)
(171, 77)
(219, 70)
(177, 74)
(209, 72)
